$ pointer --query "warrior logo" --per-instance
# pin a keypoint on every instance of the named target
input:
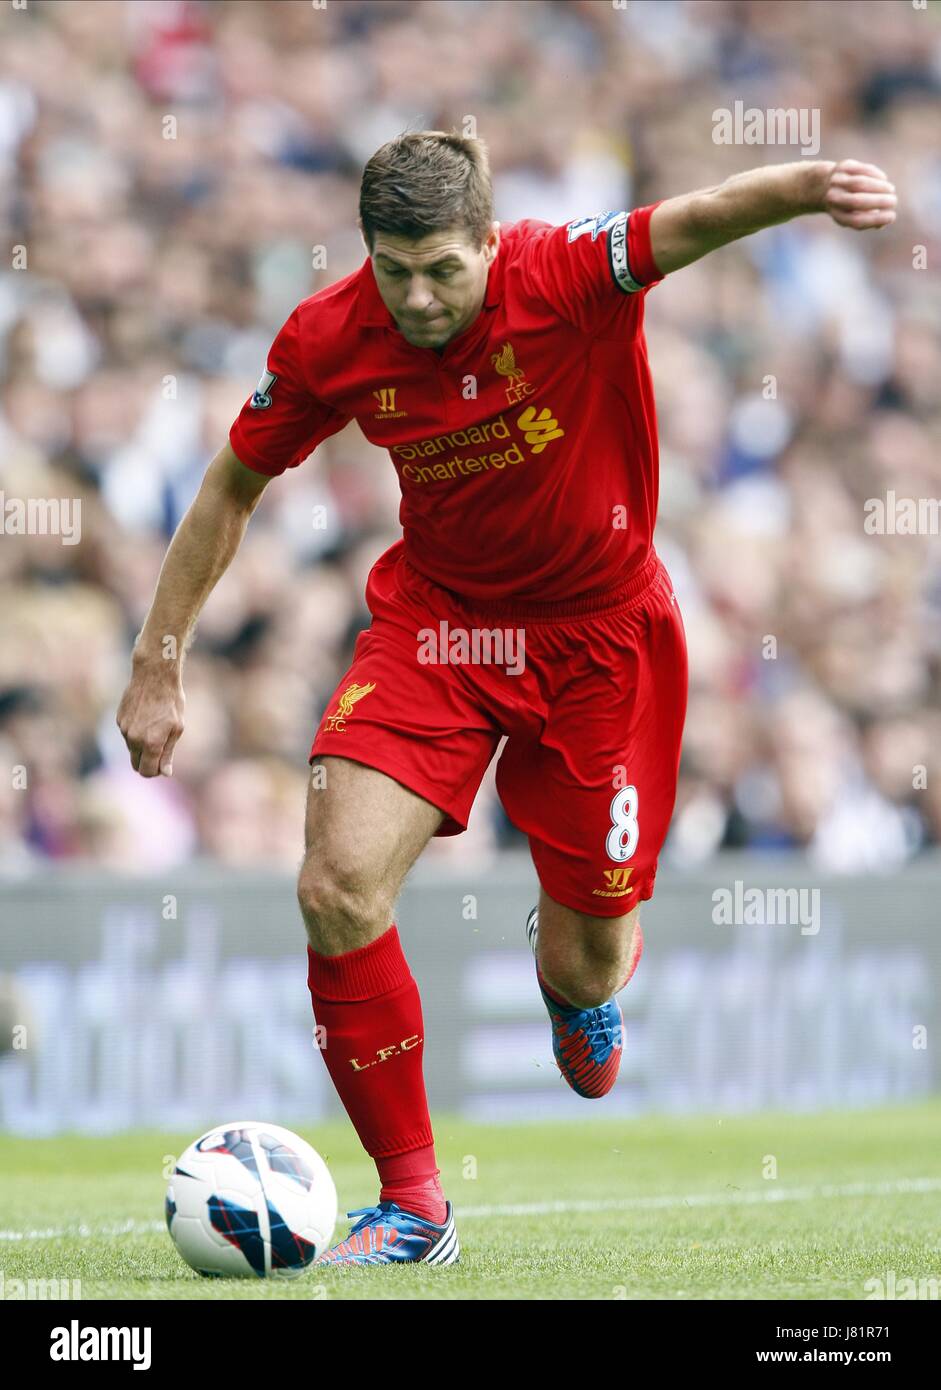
(385, 399)
(616, 881)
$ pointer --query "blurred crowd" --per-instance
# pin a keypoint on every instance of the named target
(166, 168)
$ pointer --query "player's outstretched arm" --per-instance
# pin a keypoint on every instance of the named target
(150, 715)
(854, 194)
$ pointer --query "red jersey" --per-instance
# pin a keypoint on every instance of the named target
(526, 450)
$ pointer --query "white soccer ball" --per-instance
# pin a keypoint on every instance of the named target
(251, 1200)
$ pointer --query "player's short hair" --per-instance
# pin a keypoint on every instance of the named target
(426, 181)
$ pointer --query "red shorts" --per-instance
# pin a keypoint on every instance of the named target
(590, 693)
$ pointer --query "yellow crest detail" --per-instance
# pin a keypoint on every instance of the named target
(517, 387)
(505, 363)
(337, 722)
(538, 430)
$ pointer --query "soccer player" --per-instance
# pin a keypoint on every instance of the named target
(505, 370)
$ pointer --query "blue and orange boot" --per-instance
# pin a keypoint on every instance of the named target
(387, 1235)
(586, 1043)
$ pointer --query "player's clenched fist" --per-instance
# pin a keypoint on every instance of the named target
(859, 196)
(150, 717)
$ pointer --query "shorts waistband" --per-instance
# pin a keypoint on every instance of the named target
(556, 610)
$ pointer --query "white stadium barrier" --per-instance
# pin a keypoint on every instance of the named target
(132, 1002)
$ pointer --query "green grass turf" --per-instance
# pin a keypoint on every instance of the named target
(719, 1245)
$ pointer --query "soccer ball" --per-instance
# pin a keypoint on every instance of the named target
(250, 1200)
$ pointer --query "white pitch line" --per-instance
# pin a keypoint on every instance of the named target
(124, 1228)
(890, 1188)
(709, 1199)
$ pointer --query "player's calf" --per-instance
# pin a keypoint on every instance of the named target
(587, 1037)
(586, 960)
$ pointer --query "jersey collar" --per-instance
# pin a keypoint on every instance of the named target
(372, 312)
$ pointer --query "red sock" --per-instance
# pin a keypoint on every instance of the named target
(412, 1180)
(368, 1005)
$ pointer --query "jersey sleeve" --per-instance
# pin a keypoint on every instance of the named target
(282, 422)
(590, 270)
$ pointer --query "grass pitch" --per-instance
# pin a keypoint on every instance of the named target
(605, 1209)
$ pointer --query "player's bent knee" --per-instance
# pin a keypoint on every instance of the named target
(342, 908)
(327, 891)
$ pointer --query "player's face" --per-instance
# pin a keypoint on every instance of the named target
(434, 287)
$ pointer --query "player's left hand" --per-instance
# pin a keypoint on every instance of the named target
(860, 196)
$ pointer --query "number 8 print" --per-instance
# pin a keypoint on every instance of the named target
(622, 837)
